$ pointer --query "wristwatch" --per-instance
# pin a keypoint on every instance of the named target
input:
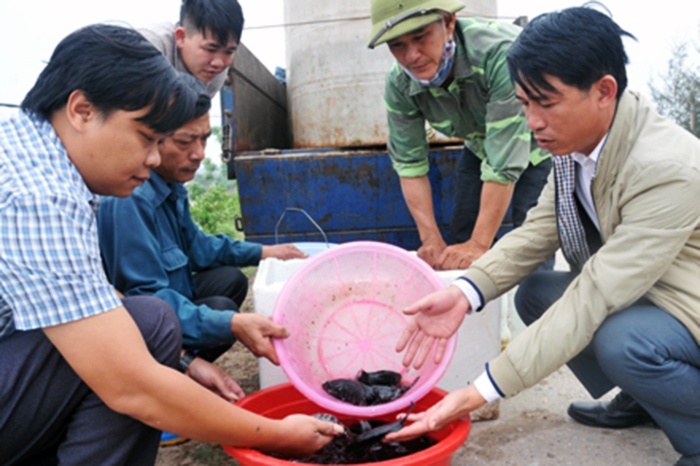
(186, 360)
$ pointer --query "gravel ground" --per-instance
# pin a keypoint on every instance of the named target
(533, 429)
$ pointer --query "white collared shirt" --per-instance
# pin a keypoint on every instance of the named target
(587, 165)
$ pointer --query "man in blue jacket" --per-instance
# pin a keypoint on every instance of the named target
(151, 246)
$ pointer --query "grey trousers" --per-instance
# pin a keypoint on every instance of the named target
(48, 416)
(642, 349)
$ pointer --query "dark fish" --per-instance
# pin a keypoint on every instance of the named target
(331, 418)
(327, 417)
(390, 378)
(381, 431)
(346, 449)
(379, 394)
(347, 390)
(360, 393)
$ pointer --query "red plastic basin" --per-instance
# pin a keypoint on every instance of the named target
(282, 400)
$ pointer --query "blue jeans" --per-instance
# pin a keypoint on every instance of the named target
(642, 349)
(49, 416)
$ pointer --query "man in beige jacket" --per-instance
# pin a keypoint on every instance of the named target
(627, 315)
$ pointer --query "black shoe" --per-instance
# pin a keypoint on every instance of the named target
(688, 461)
(622, 411)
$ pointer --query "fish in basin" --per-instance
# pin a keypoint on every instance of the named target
(368, 388)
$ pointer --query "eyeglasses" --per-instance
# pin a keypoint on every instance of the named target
(393, 22)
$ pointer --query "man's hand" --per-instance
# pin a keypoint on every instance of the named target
(283, 252)
(455, 405)
(431, 251)
(461, 256)
(307, 434)
(215, 379)
(435, 319)
(256, 333)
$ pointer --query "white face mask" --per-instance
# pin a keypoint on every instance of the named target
(444, 69)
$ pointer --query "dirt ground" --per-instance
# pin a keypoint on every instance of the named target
(243, 367)
(532, 429)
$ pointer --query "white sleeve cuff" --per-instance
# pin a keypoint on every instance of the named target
(470, 292)
(486, 388)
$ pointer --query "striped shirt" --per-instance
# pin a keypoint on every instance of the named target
(50, 266)
(478, 106)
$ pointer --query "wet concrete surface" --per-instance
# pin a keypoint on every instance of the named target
(533, 429)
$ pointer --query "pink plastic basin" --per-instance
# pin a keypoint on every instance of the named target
(343, 309)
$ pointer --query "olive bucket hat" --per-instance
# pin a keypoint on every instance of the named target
(394, 18)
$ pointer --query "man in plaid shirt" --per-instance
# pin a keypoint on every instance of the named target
(86, 378)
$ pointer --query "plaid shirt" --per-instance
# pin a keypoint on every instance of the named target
(50, 267)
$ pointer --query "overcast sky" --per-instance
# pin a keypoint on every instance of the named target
(29, 30)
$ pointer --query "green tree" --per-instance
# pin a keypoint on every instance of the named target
(215, 210)
(211, 173)
(679, 96)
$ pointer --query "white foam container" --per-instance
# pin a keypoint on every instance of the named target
(478, 341)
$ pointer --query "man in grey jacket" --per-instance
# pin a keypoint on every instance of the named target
(627, 315)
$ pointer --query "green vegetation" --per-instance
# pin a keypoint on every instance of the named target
(678, 97)
(214, 200)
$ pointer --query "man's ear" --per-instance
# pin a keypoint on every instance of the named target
(79, 110)
(450, 23)
(606, 88)
(180, 35)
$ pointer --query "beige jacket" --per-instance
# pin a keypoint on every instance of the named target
(162, 36)
(647, 195)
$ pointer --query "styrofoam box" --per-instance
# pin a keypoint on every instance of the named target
(478, 340)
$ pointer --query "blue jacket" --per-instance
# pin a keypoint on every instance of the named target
(151, 246)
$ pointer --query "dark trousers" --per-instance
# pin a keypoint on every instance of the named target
(468, 197)
(468, 194)
(642, 349)
(49, 416)
(222, 289)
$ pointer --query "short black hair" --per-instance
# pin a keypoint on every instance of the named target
(117, 69)
(222, 18)
(577, 45)
(203, 102)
